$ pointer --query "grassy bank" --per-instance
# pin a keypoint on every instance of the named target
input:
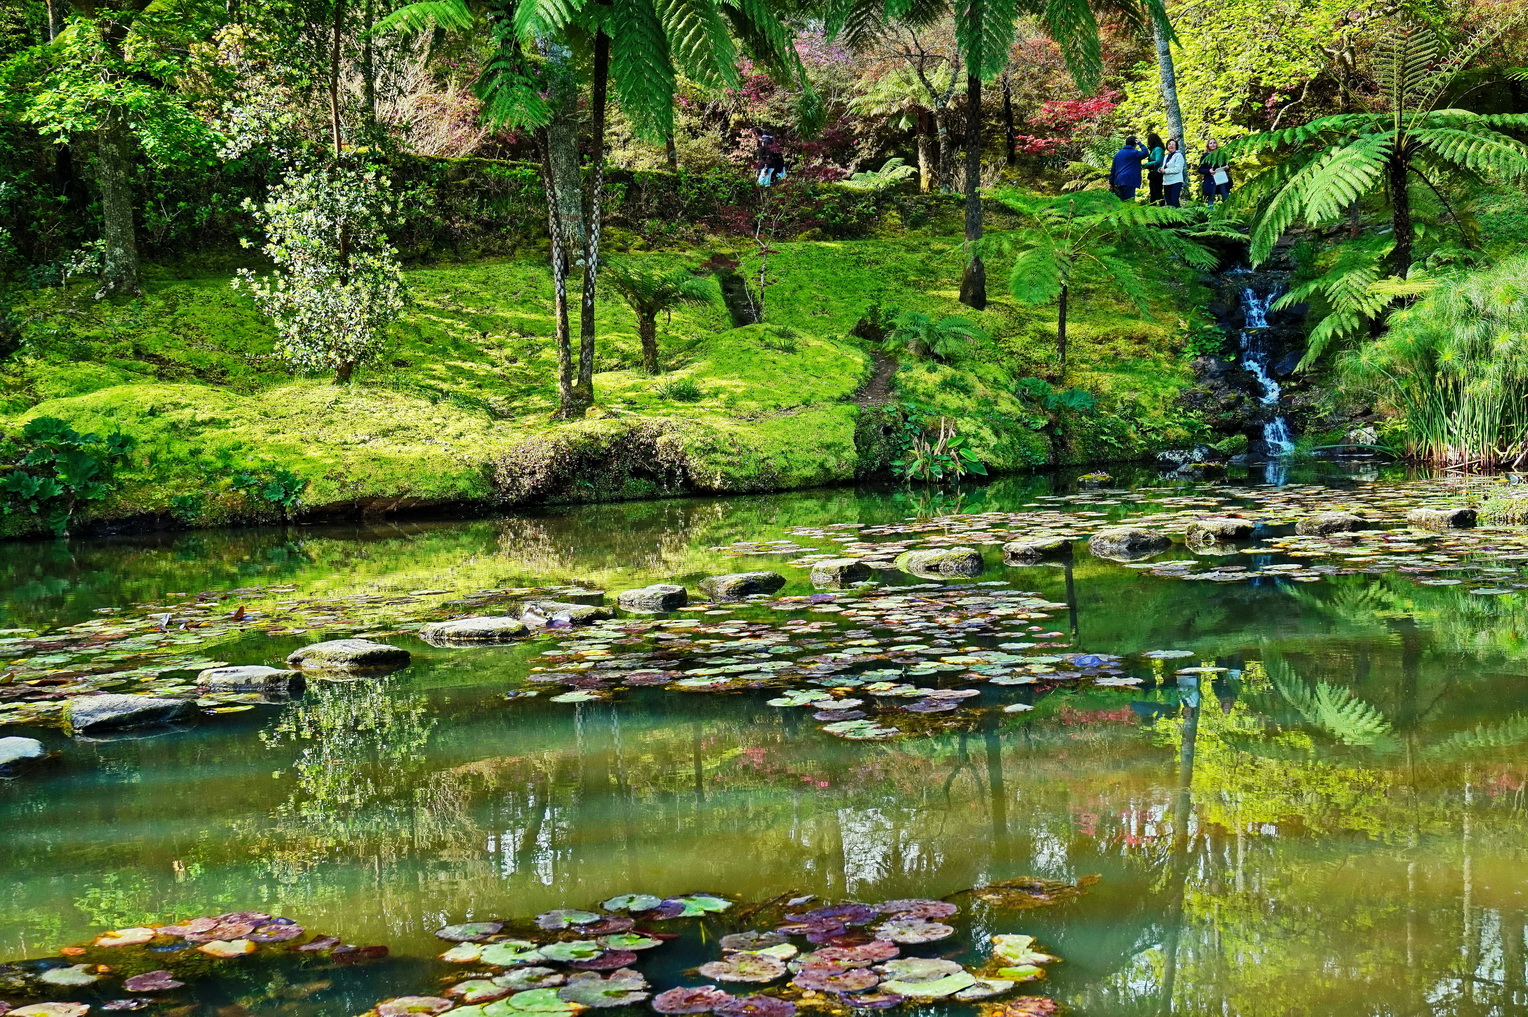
(458, 410)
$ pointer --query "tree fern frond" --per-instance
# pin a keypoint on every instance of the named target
(1038, 275)
(699, 40)
(1074, 28)
(424, 15)
(1345, 176)
(534, 18)
(1485, 152)
(641, 69)
(765, 37)
(1481, 739)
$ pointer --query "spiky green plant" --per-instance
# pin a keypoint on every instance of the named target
(1333, 709)
(650, 292)
(944, 339)
(892, 172)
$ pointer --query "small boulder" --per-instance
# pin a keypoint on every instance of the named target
(560, 614)
(1128, 543)
(1219, 530)
(16, 753)
(1442, 518)
(480, 629)
(736, 585)
(349, 655)
(251, 678)
(1326, 523)
(950, 561)
(1028, 552)
(839, 572)
(657, 597)
(117, 712)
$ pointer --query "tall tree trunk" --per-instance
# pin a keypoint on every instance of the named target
(1010, 136)
(113, 173)
(671, 153)
(973, 284)
(647, 331)
(369, 71)
(336, 39)
(567, 404)
(1400, 214)
(1061, 334)
(584, 389)
(1169, 76)
(924, 129)
(942, 148)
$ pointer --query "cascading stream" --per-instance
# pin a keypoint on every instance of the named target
(1254, 357)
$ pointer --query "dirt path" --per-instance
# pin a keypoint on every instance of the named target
(877, 389)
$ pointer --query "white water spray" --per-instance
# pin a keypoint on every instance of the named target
(1254, 357)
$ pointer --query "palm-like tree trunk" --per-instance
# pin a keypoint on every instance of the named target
(647, 330)
(1398, 177)
(567, 403)
(113, 173)
(583, 390)
(1169, 76)
(973, 284)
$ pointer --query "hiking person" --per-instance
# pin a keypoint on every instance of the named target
(1174, 174)
(1125, 172)
(1155, 152)
(1214, 173)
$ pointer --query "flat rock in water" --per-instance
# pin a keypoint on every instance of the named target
(1325, 523)
(1219, 530)
(949, 561)
(657, 597)
(116, 712)
(1027, 552)
(251, 678)
(558, 613)
(482, 629)
(1442, 518)
(836, 572)
(1128, 543)
(16, 752)
(741, 584)
(349, 654)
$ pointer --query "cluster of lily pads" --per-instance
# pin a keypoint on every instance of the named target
(141, 967)
(848, 955)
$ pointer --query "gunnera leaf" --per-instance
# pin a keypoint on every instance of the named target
(744, 967)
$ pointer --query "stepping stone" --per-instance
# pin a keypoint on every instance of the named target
(1027, 552)
(1128, 543)
(949, 561)
(350, 655)
(18, 752)
(251, 678)
(657, 597)
(1219, 530)
(839, 572)
(736, 585)
(1442, 518)
(118, 712)
(481, 629)
(557, 614)
(1326, 523)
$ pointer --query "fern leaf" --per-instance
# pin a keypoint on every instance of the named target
(1346, 175)
(641, 69)
(535, 18)
(448, 15)
(699, 40)
(1483, 738)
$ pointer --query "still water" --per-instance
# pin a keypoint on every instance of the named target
(1262, 844)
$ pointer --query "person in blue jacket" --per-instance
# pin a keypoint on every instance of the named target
(1125, 173)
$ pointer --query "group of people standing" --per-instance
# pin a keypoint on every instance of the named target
(1166, 171)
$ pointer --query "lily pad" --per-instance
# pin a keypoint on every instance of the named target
(572, 950)
(478, 990)
(227, 948)
(832, 979)
(881, 1000)
(1021, 973)
(629, 941)
(469, 932)
(744, 967)
(74, 975)
(530, 978)
(1018, 950)
(51, 1010)
(985, 988)
(607, 961)
(936, 989)
(151, 981)
(919, 969)
(913, 930)
(512, 953)
(463, 953)
(755, 1006)
(623, 987)
(918, 908)
(402, 1006)
(701, 999)
(126, 937)
(532, 1001)
(632, 902)
(752, 940)
(698, 904)
(566, 919)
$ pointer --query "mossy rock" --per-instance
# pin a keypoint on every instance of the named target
(941, 563)
(1028, 552)
(737, 585)
(1326, 523)
(1128, 543)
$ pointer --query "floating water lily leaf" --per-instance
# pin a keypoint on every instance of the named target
(1024, 1006)
(531, 1001)
(833, 979)
(918, 908)
(126, 937)
(530, 978)
(276, 932)
(478, 990)
(405, 1005)
(701, 999)
(512, 953)
(1018, 950)
(913, 930)
(848, 914)
(985, 988)
(755, 1006)
(919, 969)
(936, 989)
(608, 925)
(863, 955)
(463, 953)
(125, 1004)
(780, 951)
(1021, 972)
(629, 941)
(607, 961)
(622, 987)
(697, 904)
(632, 902)
(193, 925)
(572, 950)
(744, 967)
(151, 981)
(566, 919)
(51, 1010)
(752, 940)
(469, 932)
(227, 948)
(74, 975)
(881, 1000)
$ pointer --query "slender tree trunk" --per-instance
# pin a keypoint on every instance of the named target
(1061, 333)
(54, 22)
(584, 388)
(336, 38)
(647, 330)
(973, 285)
(1400, 215)
(369, 71)
(942, 147)
(568, 406)
(671, 153)
(1169, 76)
(926, 158)
(1010, 135)
(113, 173)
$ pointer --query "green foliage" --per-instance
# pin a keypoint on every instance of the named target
(945, 339)
(943, 457)
(49, 470)
(1333, 709)
(271, 486)
(681, 390)
(892, 172)
(1053, 399)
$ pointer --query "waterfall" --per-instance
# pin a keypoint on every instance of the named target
(1254, 357)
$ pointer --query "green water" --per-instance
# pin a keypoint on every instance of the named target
(1249, 861)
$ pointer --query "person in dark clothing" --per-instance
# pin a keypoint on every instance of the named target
(1155, 152)
(1125, 172)
(1214, 173)
(775, 163)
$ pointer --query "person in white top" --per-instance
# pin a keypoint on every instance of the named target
(1174, 174)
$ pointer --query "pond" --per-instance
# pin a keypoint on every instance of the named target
(1288, 777)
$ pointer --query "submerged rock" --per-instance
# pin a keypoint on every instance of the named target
(1219, 530)
(1324, 523)
(1128, 543)
(1027, 552)
(950, 561)
(481, 629)
(116, 712)
(252, 678)
(540, 614)
(18, 752)
(741, 584)
(836, 572)
(657, 597)
(350, 655)
(1442, 518)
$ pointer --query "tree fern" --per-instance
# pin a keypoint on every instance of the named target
(1481, 739)
(1334, 710)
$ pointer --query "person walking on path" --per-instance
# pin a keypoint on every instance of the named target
(1174, 174)
(1125, 172)
(1155, 152)
(1214, 173)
